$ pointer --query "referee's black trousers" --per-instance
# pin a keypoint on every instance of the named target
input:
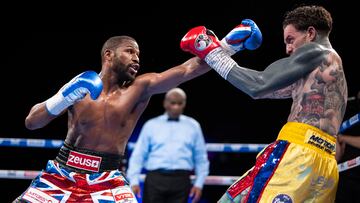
(167, 186)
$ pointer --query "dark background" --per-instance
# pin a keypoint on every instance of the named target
(42, 49)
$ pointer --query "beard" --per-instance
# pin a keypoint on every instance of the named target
(123, 71)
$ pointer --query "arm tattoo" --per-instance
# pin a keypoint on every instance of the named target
(281, 93)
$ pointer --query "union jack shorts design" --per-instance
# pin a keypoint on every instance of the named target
(57, 185)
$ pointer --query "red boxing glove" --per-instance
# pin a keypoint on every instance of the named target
(199, 41)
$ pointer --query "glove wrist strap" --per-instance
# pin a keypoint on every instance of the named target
(56, 104)
(220, 61)
(227, 47)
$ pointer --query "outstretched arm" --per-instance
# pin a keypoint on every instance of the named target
(280, 74)
(277, 75)
(283, 93)
(162, 82)
(232, 43)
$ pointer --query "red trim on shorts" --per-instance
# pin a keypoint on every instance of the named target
(248, 180)
(262, 191)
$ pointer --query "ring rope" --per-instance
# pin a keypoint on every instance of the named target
(210, 180)
(45, 143)
(211, 147)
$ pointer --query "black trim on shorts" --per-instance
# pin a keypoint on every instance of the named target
(109, 161)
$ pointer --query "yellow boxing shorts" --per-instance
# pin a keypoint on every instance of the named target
(299, 166)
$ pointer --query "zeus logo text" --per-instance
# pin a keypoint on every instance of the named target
(84, 161)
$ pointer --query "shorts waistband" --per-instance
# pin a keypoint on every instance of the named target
(308, 136)
(87, 161)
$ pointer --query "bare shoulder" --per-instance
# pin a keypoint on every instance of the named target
(311, 49)
(145, 78)
(334, 57)
(143, 82)
(312, 46)
(311, 53)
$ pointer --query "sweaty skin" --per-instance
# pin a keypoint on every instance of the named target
(105, 124)
(312, 75)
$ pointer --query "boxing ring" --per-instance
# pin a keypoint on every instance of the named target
(211, 147)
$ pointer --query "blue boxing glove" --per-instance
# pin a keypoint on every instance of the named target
(234, 40)
(255, 39)
(244, 36)
(75, 90)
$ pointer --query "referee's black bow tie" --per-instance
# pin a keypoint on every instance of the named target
(173, 119)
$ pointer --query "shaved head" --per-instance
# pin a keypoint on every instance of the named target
(176, 91)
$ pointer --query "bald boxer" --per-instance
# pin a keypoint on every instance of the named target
(300, 165)
(103, 110)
